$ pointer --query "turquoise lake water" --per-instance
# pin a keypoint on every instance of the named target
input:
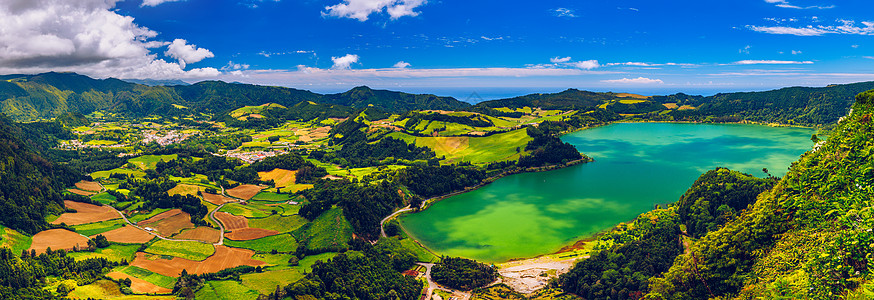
(637, 166)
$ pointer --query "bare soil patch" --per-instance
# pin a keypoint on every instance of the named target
(202, 233)
(90, 186)
(239, 227)
(232, 222)
(169, 222)
(245, 192)
(224, 257)
(139, 286)
(128, 235)
(81, 192)
(86, 213)
(216, 199)
(57, 239)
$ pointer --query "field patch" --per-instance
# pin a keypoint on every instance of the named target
(90, 186)
(282, 243)
(250, 210)
(225, 290)
(670, 105)
(107, 289)
(188, 250)
(86, 213)
(99, 227)
(201, 233)
(128, 235)
(496, 147)
(186, 189)
(266, 282)
(280, 177)
(271, 197)
(13, 239)
(151, 277)
(223, 258)
(138, 285)
(217, 199)
(169, 222)
(105, 174)
(57, 239)
(239, 228)
(278, 223)
(329, 231)
(245, 192)
(104, 198)
(150, 161)
(81, 192)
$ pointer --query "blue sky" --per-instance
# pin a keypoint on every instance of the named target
(496, 48)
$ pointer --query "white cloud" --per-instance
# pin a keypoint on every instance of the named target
(772, 62)
(557, 60)
(796, 52)
(845, 27)
(156, 2)
(854, 46)
(785, 4)
(401, 65)
(362, 9)
(344, 62)
(563, 12)
(84, 36)
(234, 66)
(185, 53)
(868, 57)
(745, 50)
(586, 65)
(638, 80)
(644, 64)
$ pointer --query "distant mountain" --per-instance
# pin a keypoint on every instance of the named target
(362, 97)
(566, 100)
(47, 95)
(156, 82)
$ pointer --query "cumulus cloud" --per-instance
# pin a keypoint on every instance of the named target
(844, 27)
(557, 59)
(796, 52)
(772, 62)
(586, 65)
(84, 36)
(563, 12)
(156, 2)
(362, 9)
(185, 53)
(231, 66)
(344, 62)
(638, 80)
(401, 64)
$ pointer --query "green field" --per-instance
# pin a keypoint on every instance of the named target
(150, 161)
(187, 250)
(104, 198)
(271, 197)
(251, 210)
(278, 223)
(100, 143)
(329, 231)
(14, 240)
(209, 207)
(105, 174)
(154, 278)
(225, 290)
(98, 227)
(139, 217)
(266, 282)
(478, 150)
(114, 252)
(245, 110)
(306, 264)
(281, 243)
(422, 254)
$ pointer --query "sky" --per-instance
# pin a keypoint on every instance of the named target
(455, 48)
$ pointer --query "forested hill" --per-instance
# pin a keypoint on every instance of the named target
(47, 95)
(30, 185)
(567, 100)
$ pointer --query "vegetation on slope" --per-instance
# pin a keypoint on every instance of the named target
(462, 273)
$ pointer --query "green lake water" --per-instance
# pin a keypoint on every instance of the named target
(637, 166)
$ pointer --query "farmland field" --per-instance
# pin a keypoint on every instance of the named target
(225, 290)
(86, 213)
(245, 192)
(106, 289)
(14, 240)
(57, 239)
(128, 235)
(329, 231)
(497, 147)
(281, 243)
(154, 278)
(113, 253)
(266, 282)
(223, 258)
(278, 223)
(98, 227)
(272, 197)
(201, 233)
(188, 250)
(150, 161)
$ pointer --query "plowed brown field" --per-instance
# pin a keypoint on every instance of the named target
(86, 213)
(90, 186)
(169, 222)
(128, 235)
(57, 239)
(216, 199)
(239, 227)
(245, 192)
(223, 258)
(205, 234)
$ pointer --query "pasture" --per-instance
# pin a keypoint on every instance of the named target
(225, 290)
(188, 250)
(14, 240)
(99, 227)
(150, 161)
(266, 282)
(282, 243)
(113, 252)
